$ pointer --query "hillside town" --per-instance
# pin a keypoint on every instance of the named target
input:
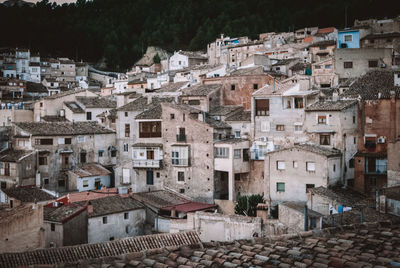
(282, 151)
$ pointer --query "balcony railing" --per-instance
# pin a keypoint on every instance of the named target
(181, 138)
(180, 161)
(147, 163)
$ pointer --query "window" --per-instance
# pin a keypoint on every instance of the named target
(97, 184)
(126, 147)
(181, 176)
(328, 66)
(280, 127)
(126, 215)
(3, 185)
(181, 191)
(113, 153)
(310, 166)
(180, 155)
(325, 139)
(237, 134)
(322, 119)
(280, 165)
(104, 220)
(67, 140)
(348, 38)
(61, 183)
(351, 163)
(194, 102)
(88, 115)
(221, 152)
(334, 168)
(255, 86)
(46, 181)
(298, 103)
(181, 136)
(157, 174)
(233, 87)
(280, 187)
(85, 183)
(52, 227)
(42, 160)
(354, 119)
(309, 186)
(317, 67)
(150, 129)
(348, 64)
(81, 139)
(127, 130)
(43, 141)
(172, 116)
(354, 140)
(101, 153)
(41, 104)
(83, 157)
(245, 155)
(237, 153)
(126, 114)
(372, 63)
(262, 107)
(150, 177)
(237, 176)
(298, 128)
(370, 142)
(295, 164)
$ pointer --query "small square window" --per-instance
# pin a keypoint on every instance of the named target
(325, 139)
(158, 174)
(372, 63)
(126, 215)
(100, 153)
(310, 166)
(280, 127)
(181, 176)
(3, 185)
(295, 164)
(348, 64)
(237, 153)
(172, 116)
(104, 220)
(280, 165)
(182, 191)
(255, 86)
(280, 187)
(52, 227)
(351, 163)
(126, 114)
(309, 186)
(237, 177)
(46, 181)
(233, 87)
(322, 119)
(85, 183)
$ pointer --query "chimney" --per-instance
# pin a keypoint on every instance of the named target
(273, 86)
(149, 99)
(335, 96)
(90, 209)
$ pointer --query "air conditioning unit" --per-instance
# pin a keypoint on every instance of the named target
(381, 140)
(264, 139)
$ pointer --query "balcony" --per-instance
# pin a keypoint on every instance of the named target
(147, 163)
(180, 161)
(181, 138)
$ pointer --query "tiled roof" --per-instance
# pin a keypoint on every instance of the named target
(112, 204)
(160, 199)
(284, 61)
(224, 110)
(313, 148)
(357, 245)
(65, 93)
(35, 87)
(216, 123)
(300, 66)
(248, 71)
(53, 118)
(331, 105)
(142, 104)
(326, 30)
(201, 90)
(190, 207)
(299, 207)
(28, 194)
(347, 197)
(372, 86)
(63, 128)
(88, 195)
(323, 43)
(90, 170)
(73, 254)
(277, 89)
(97, 102)
(172, 87)
(11, 155)
(154, 112)
(62, 213)
(240, 116)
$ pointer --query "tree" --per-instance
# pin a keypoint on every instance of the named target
(247, 205)
(156, 58)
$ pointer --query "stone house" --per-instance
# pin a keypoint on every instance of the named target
(238, 87)
(54, 105)
(34, 71)
(378, 125)
(183, 59)
(334, 124)
(17, 168)
(62, 146)
(88, 177)
(17, 196)
(292, 215)
(114, 217)
(283, 66)
(85, 108)
(203, 97)
(290, 172)
(217, 50)
(323, 73)
(81, 71)
(353, 63)
(21, 228)
(322, 50)
(64, 225)
(67, 72)
(240, 121)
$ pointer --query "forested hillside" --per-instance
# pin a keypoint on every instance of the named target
(120, 30)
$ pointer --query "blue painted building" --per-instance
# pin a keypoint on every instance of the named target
(348, 39)
(88, 177)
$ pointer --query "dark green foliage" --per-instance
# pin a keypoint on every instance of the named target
(121, 30)
(156, 58)
(247, 205)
